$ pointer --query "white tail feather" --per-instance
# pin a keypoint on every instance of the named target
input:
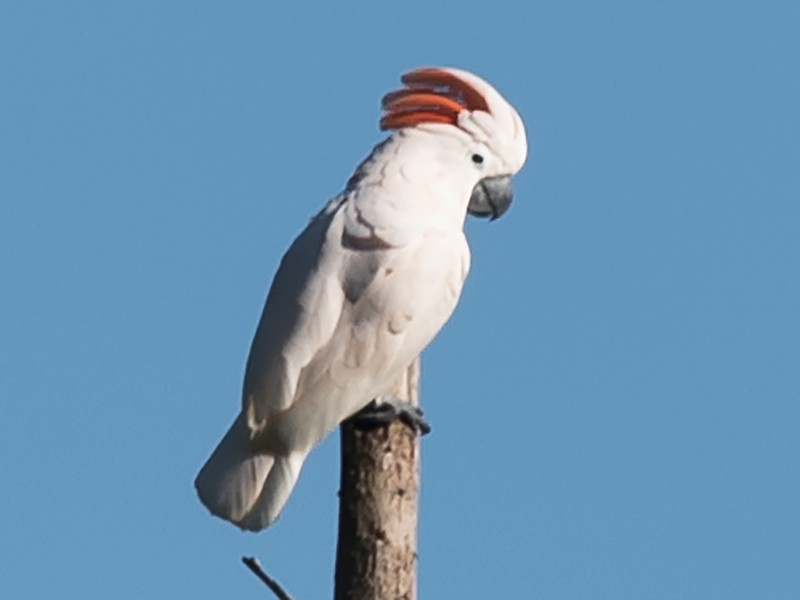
(244, 488)
(279, 484)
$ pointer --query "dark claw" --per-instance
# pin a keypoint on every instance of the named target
(383, 412)
(413, 417)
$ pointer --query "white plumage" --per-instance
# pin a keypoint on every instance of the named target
(366, 286)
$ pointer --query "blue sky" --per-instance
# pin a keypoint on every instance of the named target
(615, 401)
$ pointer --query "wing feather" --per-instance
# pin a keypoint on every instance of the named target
(363, 289)
(300, 315)
(325, 271)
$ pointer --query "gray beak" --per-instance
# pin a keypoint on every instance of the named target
(491, 197)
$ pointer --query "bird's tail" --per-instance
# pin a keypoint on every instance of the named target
(247, 489)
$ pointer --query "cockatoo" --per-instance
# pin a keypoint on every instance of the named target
(367, 285)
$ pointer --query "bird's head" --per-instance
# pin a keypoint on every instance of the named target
(489, 129)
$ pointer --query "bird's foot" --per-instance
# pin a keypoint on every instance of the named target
(386, 409)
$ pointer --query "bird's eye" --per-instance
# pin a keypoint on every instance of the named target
(477, 159)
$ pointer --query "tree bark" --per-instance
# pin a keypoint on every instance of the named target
(376, 554)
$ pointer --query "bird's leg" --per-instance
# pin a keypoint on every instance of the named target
(385, 409)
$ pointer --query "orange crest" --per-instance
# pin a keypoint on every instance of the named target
(430, 95)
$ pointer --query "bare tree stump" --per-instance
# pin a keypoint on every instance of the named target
(376, 554)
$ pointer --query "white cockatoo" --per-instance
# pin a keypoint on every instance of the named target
(367, 285)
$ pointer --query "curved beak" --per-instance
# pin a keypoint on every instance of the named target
(491, 197)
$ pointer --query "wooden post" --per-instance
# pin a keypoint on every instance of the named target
(376, 554)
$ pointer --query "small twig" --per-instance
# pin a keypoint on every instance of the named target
(252, 563)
